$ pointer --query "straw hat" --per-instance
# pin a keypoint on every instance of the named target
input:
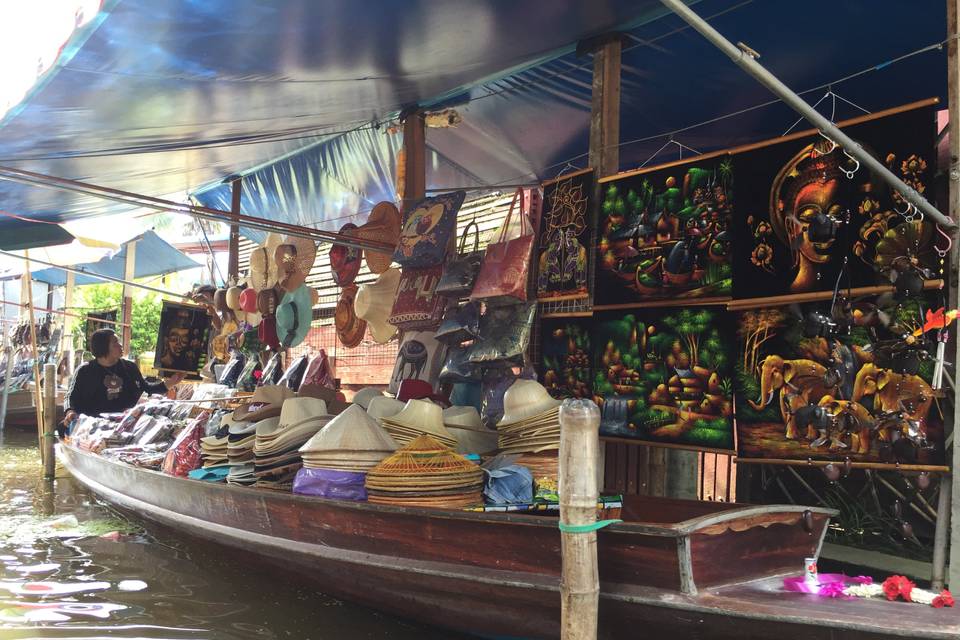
(365, 395)
(352, 430)
(263, 267)
(345, 261)
(264, 403)
(350, 328)
(336, 403)
(233, 298)
(383, 225)
(302, 409)
(294, 315)
(419, 416)
(384, 407)
(463, 417)
(526, 399)
(374, 302)
(294, 259)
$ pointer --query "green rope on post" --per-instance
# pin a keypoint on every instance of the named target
(586, 528)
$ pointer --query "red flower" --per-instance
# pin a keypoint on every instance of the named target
(945, 599)
(897, 586)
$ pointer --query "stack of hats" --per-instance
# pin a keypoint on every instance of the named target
(425, 473)
(278, 441)
(213, 448)
(382, 407)
(353, 441)
(240, 439)
(365, 396)
(465, 425)
(531, 419)
(418, 417)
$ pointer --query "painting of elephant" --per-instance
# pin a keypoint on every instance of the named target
(800, 382)
(851, 420)
(894, 392)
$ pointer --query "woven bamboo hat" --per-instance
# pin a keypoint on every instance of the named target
(263, 267)
(350, 328)
(294, 259)
(384, 407)
(265, 402)
(526, 399)
(352, 430)
(374, 303)
(365, 395)
(383, 225)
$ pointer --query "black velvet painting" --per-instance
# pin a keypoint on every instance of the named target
(182, 338)
(856, 389)
(664, 234)
(664, 375)
(564, 238)
(803, 206)
(565, 367)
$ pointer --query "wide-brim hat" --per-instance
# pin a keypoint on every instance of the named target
(384, 407)
(421, 416)
(345, 261)
(267, 301)
(464, 417)
(233, 298)
(374, 303)
(382, 226)
(301, 259)
(365, 395)
(263, 267)
(352, 430)
(294, 315)
(220, 300)
(526, 399)
(350, 328)
(336, 403)
(265, 402)
(302, 409)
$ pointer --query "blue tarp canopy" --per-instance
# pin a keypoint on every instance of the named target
(153, 257)
(171, 96)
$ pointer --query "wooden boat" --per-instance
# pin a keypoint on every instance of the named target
(693, 569)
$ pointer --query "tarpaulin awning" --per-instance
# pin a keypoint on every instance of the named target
(171, 96)
(153, 256)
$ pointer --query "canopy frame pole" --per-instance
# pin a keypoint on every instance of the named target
(746, 58)
(66, 340)
(951, 509)
(233, 248)
(159, 204)
(37, 397)
(129, 270)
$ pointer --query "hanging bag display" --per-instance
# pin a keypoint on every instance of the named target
(504, 335)
(461, 272)
(458, 368)
(506, 264)
(417, 305)
(426, 230)
(460, 324)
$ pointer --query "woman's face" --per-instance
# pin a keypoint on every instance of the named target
(177, 340)
(811, 200)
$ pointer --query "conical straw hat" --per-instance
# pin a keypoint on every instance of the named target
(526, 399)
(384, 407)
(422, 416)
(374, 302)
(365, 395)
(352, 430)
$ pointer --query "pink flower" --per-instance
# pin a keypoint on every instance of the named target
(832, 590)
(861, 580)
(945, 599)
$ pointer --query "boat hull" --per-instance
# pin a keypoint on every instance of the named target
(485, 574)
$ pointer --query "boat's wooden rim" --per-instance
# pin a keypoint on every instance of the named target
(677, 529)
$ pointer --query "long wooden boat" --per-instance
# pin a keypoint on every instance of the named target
(694, 569)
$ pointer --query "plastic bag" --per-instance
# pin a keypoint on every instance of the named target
(183, 456)
(329, 483)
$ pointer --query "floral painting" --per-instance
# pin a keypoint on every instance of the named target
(562, 250)
(806, 209)
(664, 234)
(664, 375)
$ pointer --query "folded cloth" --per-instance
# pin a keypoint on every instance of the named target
(210, 474)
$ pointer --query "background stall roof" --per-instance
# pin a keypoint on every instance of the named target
(168, 97)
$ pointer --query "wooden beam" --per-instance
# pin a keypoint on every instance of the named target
(605, 109)
(233, 248)
(953, 110)
(129, 269)
(414, 158)
(66, 342)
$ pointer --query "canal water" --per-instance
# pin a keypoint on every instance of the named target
(72, 567)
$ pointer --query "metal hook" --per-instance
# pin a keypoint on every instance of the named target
(832, 143)
(906, 214)
(852, 172)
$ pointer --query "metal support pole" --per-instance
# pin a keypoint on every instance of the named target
(49, 420)
(938, 571)
(953, 175)
(746, 58)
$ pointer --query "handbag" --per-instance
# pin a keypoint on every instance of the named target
(460, 324)
(458, 368)
(417, 305)
(504, 334)
(506, 264)
(461, 272)
(426, 230)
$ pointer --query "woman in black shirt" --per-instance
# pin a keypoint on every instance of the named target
(109, 384)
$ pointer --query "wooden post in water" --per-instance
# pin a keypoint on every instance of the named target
(49, 420)
(27, 288)
(580, 579)
(953, 180)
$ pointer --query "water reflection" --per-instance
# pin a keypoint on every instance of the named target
(74, 568)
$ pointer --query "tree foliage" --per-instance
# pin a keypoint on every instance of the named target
(146, 313)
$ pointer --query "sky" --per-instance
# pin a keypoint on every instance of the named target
(31, 35)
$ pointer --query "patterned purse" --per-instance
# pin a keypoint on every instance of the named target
(418, 306)
(426, 230)
(506, 265)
